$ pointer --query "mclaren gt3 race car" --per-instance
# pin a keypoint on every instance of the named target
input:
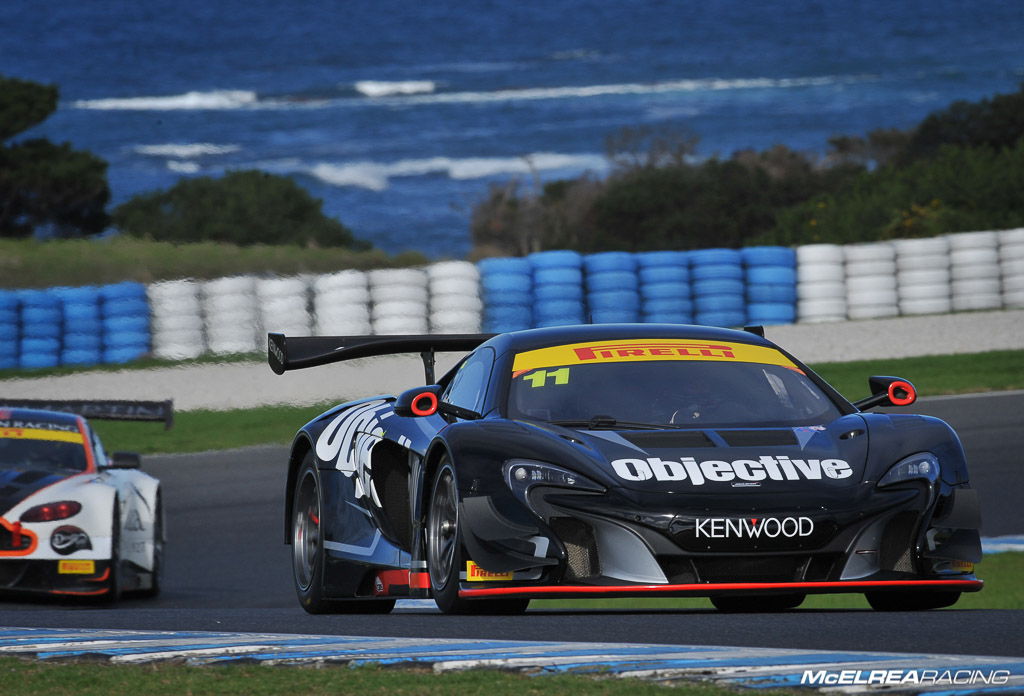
(75, 521)
(621, 460)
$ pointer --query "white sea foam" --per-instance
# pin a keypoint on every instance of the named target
(376, 88)
(215, 100)
(584, 91)
(376, 176)
(183, 166)
(185, 150)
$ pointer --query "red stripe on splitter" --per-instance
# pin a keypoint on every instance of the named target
(704, 589)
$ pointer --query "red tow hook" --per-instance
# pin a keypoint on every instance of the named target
(16, 535)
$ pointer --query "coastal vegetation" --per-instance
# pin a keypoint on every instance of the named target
(960, 169)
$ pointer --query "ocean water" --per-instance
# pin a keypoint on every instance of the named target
(399, 115)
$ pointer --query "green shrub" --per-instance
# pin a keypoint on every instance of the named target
(243, 207)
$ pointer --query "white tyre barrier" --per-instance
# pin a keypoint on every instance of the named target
(937, 291)
(823, 290)
(398, 293)
(875, 251)
(452, 269)
(820, 273)
(230, 315)
(972, 240)
(872, 311)
(864, 283)
(931, 305)
(454, 286)
(337, 281)
(456, 303)
(400, 325)
(821, 310)
(881, 267)
(815, 254)
(455, 322)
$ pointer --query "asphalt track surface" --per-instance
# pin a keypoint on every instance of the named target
(227, 569)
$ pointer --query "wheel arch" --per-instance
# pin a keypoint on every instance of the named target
(300, 448)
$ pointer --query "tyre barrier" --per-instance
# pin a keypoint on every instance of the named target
(870, 281)
(283, 305)
(975, 271)
(454, 291)
(770, 277)
(718, 288)
(820, 283)
(664, 280)
(341, 304)
(1011, 267)
(507, 293)
(400, 304)
(230, 319)
(558, 288)
(923, 276)
(177, 321)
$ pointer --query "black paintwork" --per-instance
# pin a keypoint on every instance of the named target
(499, 530)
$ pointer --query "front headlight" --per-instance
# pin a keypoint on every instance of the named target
(523, 474)
(923, 466)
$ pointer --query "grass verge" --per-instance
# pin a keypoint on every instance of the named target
(32, 264)
(29, 678)
(197, 431)
(1000, 571)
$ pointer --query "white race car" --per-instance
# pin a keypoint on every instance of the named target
(75, 521)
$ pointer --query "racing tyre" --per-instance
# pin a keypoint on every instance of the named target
(308, 551)
(911, 601)
(445, 557)
(761, 603)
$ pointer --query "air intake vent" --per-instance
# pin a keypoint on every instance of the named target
(898, 542)
(670, 439)
(580, 547)
(758, 438)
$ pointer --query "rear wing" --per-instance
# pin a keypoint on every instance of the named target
(102, 409)
(298, 352)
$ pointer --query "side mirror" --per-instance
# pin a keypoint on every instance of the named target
(124, 460)
(422, 401)
(888, 391)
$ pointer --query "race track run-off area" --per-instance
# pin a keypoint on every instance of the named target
(228, 596)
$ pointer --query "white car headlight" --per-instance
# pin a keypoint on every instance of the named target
(523, 474)
(922, 466)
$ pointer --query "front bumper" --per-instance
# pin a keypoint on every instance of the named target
(72, 578)
(587, 545)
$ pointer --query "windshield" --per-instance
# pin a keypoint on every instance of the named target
(26, 449)
(665, 382)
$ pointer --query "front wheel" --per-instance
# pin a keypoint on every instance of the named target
(445, 556)
(911, 601)
(308, 552)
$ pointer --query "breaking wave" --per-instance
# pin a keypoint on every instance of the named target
(375, 88)
(190, 101)
(376, 176)
(185, 150)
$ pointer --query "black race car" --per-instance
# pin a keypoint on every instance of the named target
(621, 460)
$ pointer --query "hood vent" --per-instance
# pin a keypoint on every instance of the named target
(677, 439)
(758, 438)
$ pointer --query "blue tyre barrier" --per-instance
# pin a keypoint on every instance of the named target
(711, 304)
(127, 339)
(558, 276)
(121, 324)
(718, 271)
(499, 318)
(725, 319)
(771, 293)
(613, 299)
(656, 291)
(501, 283)
(41, 330)
(507, 264)
(35, 314)
(542, 293)
(38, 352)
(555, 259)
(619, 315)
(771, 275)
(10, 317)
(610, 261)
(663, 274)
(768, 256)
(83, 326)
(607, 281)
(770, 313)
(122, 291)
(723, 286)
(714, 257)
(81, 310)
(668, 305)
(129, 306)
(81, 356)
(550, 309)
(557, 321)
(668, 318)
(118, 356)
(82, 341)
(9, 300)
(649, 259)
(8, 354)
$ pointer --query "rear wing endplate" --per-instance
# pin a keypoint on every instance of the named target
(297, 352)
(103, 409)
